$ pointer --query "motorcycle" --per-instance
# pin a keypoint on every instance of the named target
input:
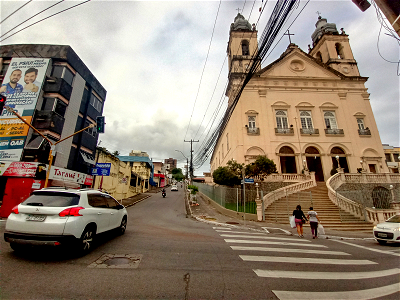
(164, 194)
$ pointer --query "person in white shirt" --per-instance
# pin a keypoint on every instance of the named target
(313, 218)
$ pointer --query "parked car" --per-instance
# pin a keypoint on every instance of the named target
(388, 231)
(55, 217)
(174, 188)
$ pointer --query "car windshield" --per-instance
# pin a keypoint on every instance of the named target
(394, 219)
(52, 199)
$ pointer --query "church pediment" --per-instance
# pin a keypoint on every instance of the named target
(297, 64)
(304, 105)
(280, 104)
(328, 105)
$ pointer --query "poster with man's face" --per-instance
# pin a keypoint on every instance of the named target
(21, 85)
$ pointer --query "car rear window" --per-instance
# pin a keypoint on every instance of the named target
(52, 199)
(394, 219)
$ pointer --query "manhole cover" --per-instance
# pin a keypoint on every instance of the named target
(117, 261)
(232, 223)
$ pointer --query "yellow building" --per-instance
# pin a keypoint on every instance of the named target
(303, 111)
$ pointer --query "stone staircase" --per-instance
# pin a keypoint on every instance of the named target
(330, 215)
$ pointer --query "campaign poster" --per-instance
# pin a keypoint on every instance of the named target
(21, 86)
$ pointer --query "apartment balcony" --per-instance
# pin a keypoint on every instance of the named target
(364, 132)
(334, 132)
(253, 131)
(309, 131)
(50, 120)
(284, 131)
(57, 85)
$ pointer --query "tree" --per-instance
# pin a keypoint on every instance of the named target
(116, 153)
(177, 174)
(225, 176)
(261, 167)
(235, 167)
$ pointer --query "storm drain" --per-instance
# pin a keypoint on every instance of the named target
(117, 261)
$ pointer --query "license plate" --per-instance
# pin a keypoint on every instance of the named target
(35, 218)
(382, 234)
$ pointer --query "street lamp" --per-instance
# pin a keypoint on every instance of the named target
(187, 163)
(337, 158)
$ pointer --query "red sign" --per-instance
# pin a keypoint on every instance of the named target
(20, 169)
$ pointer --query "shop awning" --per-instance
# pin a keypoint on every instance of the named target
(36, 143)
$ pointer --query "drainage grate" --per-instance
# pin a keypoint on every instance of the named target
(117, 261)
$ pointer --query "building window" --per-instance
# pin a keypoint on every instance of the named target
(54, 104)
(92, 131)
(96, 103)
(245, 48)
(360, 123)
(319, 56)
(330, 120)
(252, 121)
(64, 73)
(306, 120)
(227, 142)
(339, 50)
(281, 119)
(4, 69)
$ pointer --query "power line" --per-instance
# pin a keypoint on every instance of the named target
(45, 18)
(205, 63)
(15, 11)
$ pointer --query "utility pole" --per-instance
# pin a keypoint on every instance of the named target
(191, 158)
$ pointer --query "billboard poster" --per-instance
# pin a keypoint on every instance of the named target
(21, 85)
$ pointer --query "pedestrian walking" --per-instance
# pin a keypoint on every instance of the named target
(313, 218)
(299, 219)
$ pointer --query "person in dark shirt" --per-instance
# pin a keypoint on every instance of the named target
(299, 218)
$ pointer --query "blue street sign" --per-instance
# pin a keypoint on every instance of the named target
(102, 169)
(248, 180)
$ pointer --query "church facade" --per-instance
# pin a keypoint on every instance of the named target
(305, 111)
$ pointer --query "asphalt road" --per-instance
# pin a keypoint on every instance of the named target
(174, 257)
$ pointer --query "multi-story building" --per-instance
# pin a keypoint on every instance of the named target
(51, 88)
(305, 111)
(392, 155)
(170, 164)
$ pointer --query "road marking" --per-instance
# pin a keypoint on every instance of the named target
(276, 228)
(367, 248)
(304, 260)
(264, 237)
(273, 243)
(353, 295)
(241, 248)
(224, 228)
(256, 233)
(325, 275)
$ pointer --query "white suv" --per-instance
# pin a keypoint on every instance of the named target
(63, 216)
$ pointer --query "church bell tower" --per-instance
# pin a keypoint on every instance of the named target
(333, 48)
(242, 46)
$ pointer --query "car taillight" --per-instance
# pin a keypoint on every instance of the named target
(15, 210)
(71, 212)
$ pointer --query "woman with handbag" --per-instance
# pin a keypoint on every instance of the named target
(313, 218)
(299, 219)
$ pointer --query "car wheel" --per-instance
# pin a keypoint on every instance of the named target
(122, 227)
(381, 242)
(17, 247)
(86, 241)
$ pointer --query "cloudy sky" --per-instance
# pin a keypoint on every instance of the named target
(164, 79)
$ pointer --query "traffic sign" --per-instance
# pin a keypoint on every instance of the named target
(102, 169)
(248, 180)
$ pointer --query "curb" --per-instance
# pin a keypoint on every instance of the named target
(129, 205)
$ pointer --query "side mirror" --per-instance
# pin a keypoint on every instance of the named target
(120, 206)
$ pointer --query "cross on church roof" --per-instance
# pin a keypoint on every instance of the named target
(289, 34)
(238, 9)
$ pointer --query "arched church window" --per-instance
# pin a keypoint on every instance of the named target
(311, 150)
(337, 150)
(286, 150)
(360, 123)
(252, 121)
(281, 119)
(339, 50)
(330, 120)
(306, 120)
(245, 48)
(319, 56)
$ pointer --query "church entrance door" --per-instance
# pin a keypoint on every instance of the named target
(287, 160)
(314, 163)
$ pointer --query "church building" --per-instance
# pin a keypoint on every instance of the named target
(305, 111)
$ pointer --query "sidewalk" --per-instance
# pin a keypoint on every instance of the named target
(204, 212)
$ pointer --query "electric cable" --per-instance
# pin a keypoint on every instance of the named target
(15, 11)
(202, 73)
(45, 18)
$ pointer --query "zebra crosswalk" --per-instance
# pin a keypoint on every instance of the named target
(271, 251)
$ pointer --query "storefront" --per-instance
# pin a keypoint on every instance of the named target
(19, 179)
(159, 179)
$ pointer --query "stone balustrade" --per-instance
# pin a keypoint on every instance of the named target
(356, 209)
